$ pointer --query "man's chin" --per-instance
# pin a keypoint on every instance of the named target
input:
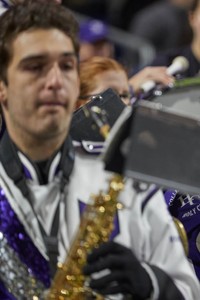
(52, 131)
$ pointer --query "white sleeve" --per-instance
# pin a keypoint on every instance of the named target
(156, 242)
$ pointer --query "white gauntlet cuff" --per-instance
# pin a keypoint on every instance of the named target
(155, 291)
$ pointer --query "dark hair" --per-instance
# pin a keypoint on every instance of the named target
(33, 15)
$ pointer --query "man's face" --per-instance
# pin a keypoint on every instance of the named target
(43, 84)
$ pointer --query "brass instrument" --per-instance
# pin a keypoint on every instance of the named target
(95, 228)
(183, 235)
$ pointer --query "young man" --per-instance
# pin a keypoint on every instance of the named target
(44, 188)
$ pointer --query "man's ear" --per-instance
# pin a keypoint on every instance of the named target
(191, 20)
(3, 93)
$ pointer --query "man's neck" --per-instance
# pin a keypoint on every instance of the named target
(38, 149)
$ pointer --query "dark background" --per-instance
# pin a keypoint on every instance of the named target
(114, 12)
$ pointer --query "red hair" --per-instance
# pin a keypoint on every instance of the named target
(88, 71)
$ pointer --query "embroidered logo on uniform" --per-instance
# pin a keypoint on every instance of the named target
(170, 195)
(116, 229)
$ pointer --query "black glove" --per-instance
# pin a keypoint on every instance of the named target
(127, 276)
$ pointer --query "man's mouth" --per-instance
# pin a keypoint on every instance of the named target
(52, 103)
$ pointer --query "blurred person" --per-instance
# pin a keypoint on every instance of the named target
(157, 74)
(97, 74)
(44, 185)
(190, 51)
(94, 40)
(164, 24)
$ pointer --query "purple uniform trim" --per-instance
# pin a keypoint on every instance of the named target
(4, 295)
(27, 173)
(21, 243)
(148, 197)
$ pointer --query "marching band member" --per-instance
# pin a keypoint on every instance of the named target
(44, 186)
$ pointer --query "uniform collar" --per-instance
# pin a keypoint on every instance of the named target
(33, 172)
(15, 161)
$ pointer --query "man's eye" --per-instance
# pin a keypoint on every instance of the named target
(67, 66)
(34, 67)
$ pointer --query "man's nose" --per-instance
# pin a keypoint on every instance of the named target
(54, 78)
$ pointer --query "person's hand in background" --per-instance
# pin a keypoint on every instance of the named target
(157, 74)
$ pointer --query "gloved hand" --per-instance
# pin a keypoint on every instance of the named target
(127, 276)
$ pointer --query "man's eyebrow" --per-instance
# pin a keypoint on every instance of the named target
(44, 56)
(70, 54)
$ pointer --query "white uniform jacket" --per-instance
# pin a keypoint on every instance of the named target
(143, 224)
